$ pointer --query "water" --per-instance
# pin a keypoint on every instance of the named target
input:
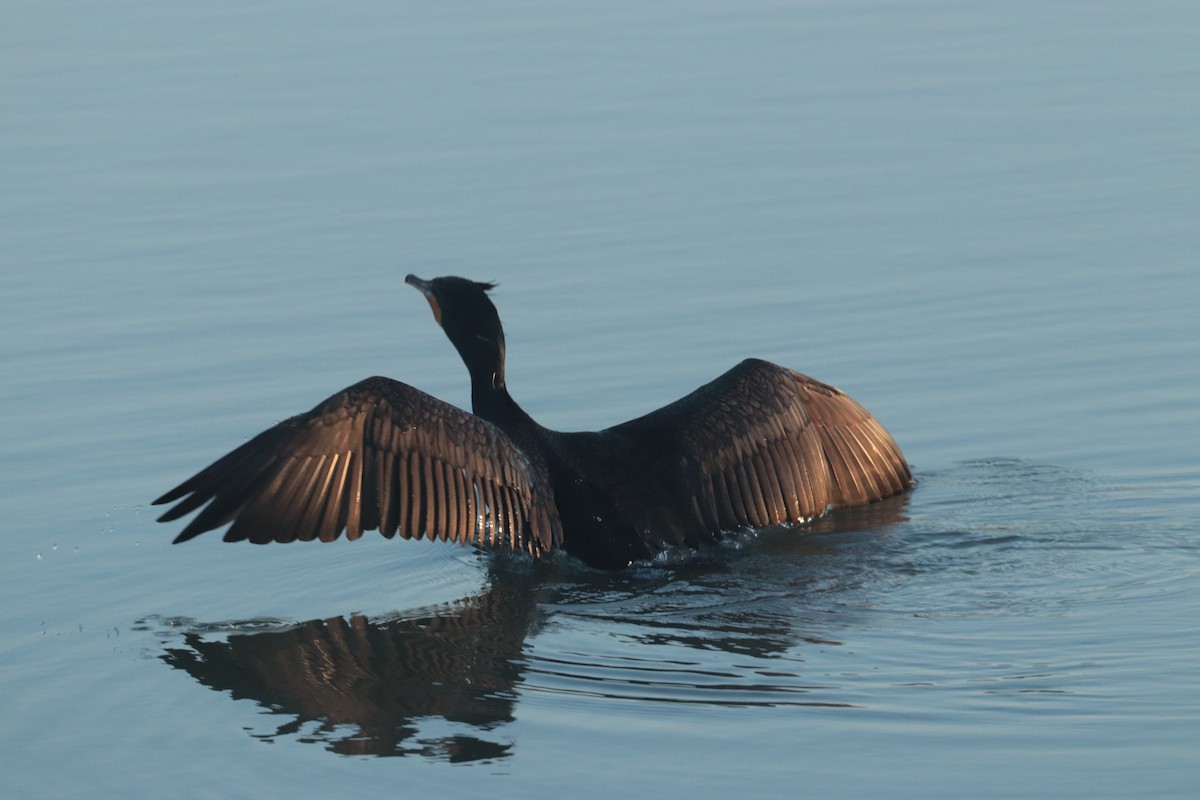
(978, 221)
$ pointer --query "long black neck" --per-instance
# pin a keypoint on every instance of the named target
(491, 401)
(483, 353)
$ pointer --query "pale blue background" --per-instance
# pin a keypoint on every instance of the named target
(978, 219)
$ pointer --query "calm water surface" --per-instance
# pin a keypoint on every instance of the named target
(980, 222)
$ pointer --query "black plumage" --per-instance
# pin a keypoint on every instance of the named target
(760, 445)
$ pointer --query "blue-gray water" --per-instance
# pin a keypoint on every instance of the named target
(978, 219)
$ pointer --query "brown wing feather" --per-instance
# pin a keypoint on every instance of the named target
(377, 455)
(762, 445)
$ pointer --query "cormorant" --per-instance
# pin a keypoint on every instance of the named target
(760, 445)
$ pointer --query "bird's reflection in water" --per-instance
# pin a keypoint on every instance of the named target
(442, 682)
(369, 686)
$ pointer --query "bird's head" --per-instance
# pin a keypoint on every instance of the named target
(466, 313)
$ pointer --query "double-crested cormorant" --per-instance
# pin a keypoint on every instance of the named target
(760, 445)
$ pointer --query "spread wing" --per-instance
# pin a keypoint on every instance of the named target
(762, 445)
(377, 455)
